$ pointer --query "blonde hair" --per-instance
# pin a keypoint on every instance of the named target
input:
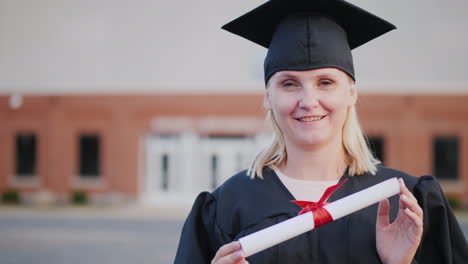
(358, 155)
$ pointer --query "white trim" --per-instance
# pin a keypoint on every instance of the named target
(244, 125)
(88, 182)
(25, 181)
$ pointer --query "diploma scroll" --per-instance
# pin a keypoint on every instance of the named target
(288, 229)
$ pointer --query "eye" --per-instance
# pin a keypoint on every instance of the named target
(289, 84)
(326, 82)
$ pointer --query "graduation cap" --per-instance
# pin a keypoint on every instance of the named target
(308, 34)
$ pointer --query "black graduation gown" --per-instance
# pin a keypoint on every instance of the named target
(242, 206)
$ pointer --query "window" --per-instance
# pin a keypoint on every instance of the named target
(377, 146)
(89, 155)
(214, 171)
(445, 157)
(165, 172)
(26, 151)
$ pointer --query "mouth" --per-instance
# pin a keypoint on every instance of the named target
(310, 118)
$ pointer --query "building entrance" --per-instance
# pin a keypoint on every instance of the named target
(178, 167)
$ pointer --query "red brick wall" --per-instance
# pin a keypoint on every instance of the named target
(408, 124)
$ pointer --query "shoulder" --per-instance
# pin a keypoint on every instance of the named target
(232, 183)
(243, 185)
(225, 196)
(421, 185)
(233, 186)
(387, 173)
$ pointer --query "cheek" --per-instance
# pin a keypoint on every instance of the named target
(337, 101)
(340, 110)
(284, 105)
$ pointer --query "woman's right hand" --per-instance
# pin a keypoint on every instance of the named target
(230, 254)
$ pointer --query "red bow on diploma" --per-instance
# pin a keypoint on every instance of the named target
(321, 215)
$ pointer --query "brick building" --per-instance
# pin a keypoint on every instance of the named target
(151, 100)
(166, 148)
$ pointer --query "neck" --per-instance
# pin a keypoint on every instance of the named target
(321, 163)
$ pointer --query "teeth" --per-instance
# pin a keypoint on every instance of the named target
(311, 118)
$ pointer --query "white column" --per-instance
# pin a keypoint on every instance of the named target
(225, 161)
(150, 181)
(187, 164)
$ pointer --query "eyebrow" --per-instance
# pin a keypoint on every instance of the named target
(286, 75)
(326, 75)
(283, 75)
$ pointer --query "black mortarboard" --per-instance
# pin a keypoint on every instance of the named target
(308, 34)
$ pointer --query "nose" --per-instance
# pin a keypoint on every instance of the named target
(309, 99)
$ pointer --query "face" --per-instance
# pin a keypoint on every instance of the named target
(310, 107)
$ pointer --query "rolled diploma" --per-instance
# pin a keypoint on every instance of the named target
(295, 226)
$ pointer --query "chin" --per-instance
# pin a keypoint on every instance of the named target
(311, 142)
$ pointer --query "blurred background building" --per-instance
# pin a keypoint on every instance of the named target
(150, 100)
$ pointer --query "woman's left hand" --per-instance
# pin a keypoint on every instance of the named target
(397, 242)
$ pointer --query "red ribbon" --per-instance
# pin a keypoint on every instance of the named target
(321, 215)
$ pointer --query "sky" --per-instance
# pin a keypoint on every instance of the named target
(155, 46)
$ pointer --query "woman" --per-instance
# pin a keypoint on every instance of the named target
(310, 98)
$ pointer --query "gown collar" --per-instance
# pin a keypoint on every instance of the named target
(293, 208)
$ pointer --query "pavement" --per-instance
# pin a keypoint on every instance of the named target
(72, 235)
(117, 235)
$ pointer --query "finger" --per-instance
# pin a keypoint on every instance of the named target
(404, 190)
(383, 213)
(416, 220)
(415, 229)
(411, 205)
(410, 200)
(233, 258)
(227, 249)
(401, 204)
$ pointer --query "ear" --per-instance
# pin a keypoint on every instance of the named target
(353, 93)
(266, 100)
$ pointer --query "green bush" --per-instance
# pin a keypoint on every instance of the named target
(453, 202)
(79, 198)
(11, 197)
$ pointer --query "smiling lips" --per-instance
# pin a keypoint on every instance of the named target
(309, 118)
